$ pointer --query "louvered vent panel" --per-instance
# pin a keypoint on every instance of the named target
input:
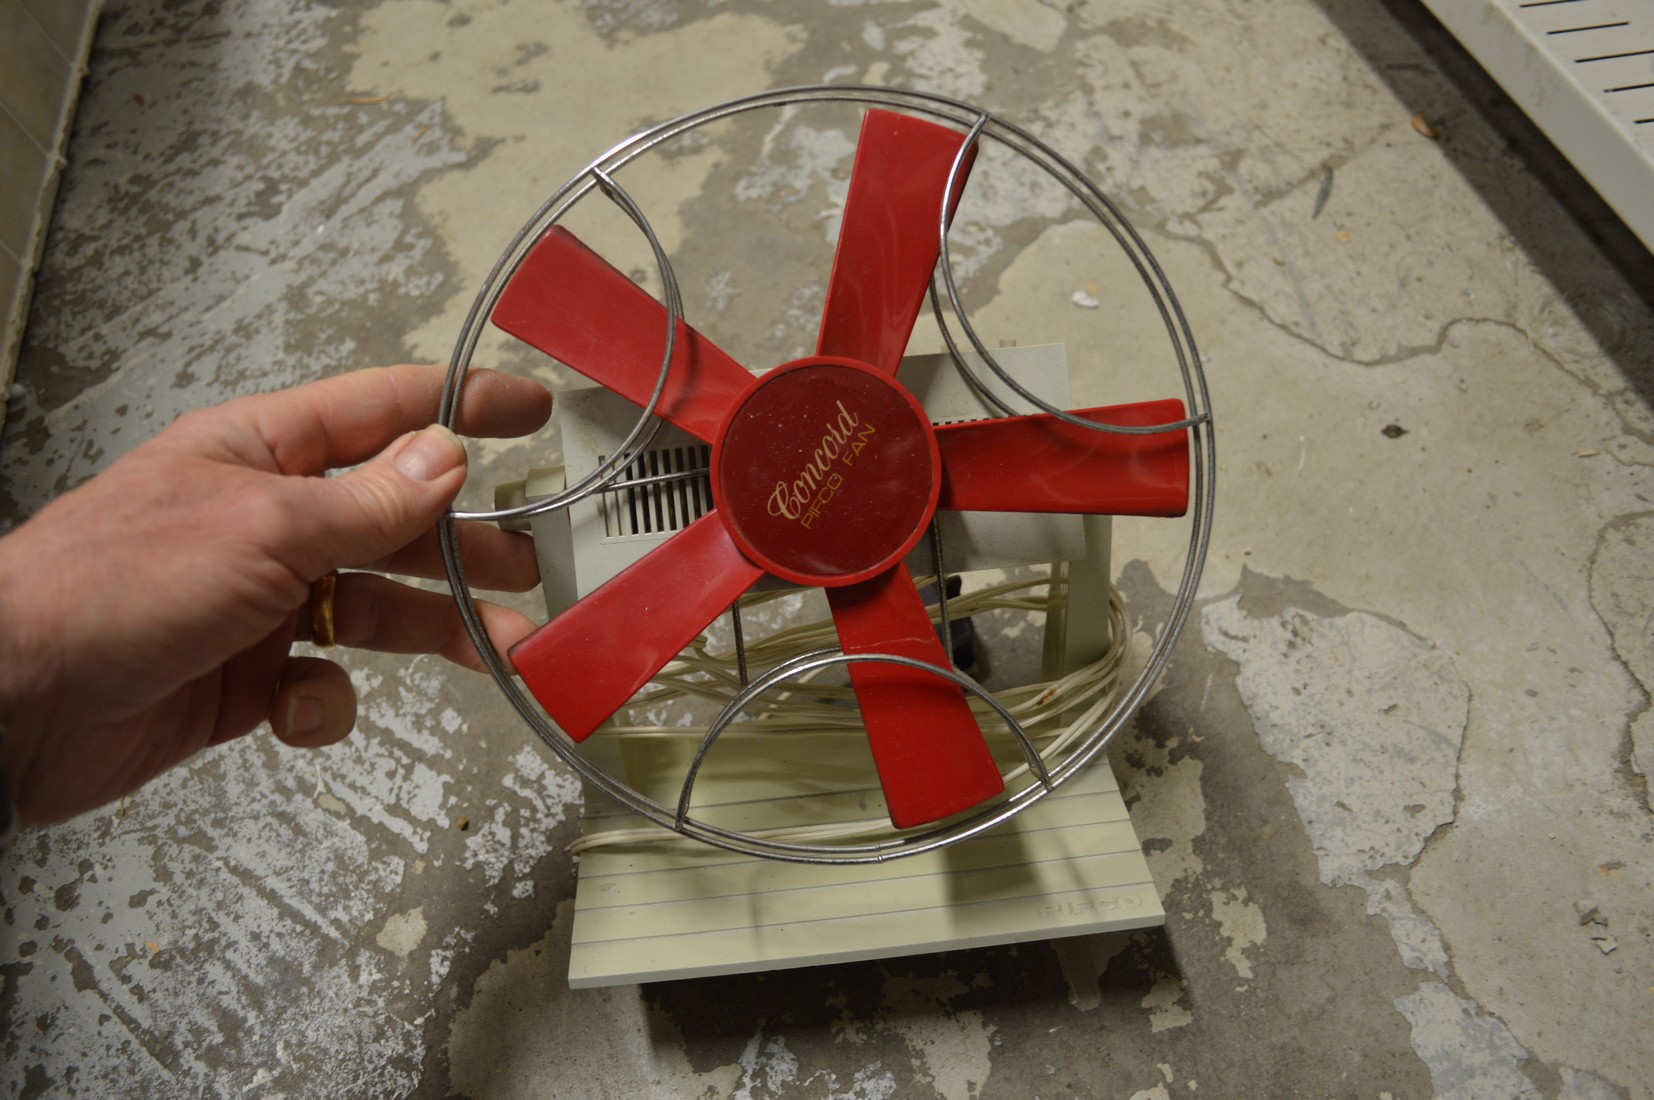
(660, 507)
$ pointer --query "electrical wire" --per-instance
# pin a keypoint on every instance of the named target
(808, 707)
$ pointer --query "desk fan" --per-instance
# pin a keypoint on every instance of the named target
(825, 472)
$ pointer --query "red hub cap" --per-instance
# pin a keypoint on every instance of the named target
(826, 472)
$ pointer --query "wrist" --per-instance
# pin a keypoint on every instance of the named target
(25, 695)
(8, 799)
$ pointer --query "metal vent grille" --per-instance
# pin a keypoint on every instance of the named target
(1583, 70)
(676, 491)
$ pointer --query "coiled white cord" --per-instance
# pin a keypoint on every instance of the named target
(802, 707)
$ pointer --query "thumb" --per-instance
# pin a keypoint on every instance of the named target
(314, 705)
(382, 505)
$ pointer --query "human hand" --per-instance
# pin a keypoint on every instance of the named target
(148, 613)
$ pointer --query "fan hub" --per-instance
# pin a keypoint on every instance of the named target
(826, 472)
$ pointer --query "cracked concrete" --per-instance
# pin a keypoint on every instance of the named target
(1392, 787)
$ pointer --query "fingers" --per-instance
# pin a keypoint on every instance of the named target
(372, 511)
(314, 704)
(502, 406)
(245, 699)
(502, 561)
(374, 612)
(346, 419)
(392, 498)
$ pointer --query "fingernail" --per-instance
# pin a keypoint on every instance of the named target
(304, 716)
(429, 453)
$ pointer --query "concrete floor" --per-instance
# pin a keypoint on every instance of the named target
(1393, 787)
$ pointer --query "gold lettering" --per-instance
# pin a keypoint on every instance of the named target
(847, 421)
(786, 501)
(816, 484)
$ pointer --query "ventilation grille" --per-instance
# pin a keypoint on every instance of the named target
(664, 506)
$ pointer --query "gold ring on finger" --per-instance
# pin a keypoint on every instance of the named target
(321, 609)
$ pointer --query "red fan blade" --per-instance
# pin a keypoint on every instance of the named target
(887, 245)
(1042, 464)
(567, 301)
(931, 757)
(584, 664)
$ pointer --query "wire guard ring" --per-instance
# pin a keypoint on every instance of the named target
(979, 125)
